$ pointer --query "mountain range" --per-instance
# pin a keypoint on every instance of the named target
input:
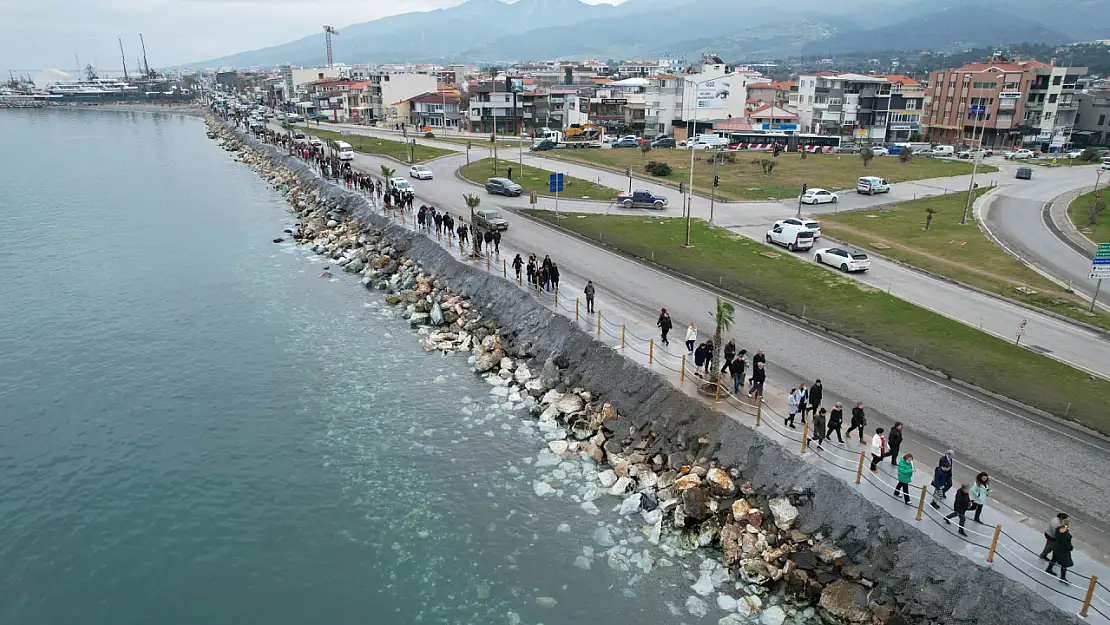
(491, 31)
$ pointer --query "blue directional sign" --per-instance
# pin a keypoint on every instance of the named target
(555, 183)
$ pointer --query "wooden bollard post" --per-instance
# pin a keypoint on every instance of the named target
(805, 435)
(487, 262)
(651, 351)
(994, 543)
(556, 292)
(1090, 595)
(717, 396)
(519, 281)
(682, 371)
(599, 323)
(504, 269)
(622, 336)
(859, 471)
(758, 409)
(576, 309)
(921, 502)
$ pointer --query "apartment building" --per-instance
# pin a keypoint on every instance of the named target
(772, 94)
(855, 107)
(435, 111)
(662, 104)
(1092, 122)
(492, 106)
(907, 105)
(387, 87)
(1001, 103)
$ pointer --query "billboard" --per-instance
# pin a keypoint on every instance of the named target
(515, 84)
(711, 94)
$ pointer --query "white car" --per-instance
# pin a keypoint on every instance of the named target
(880, 151)
(420, 172)
(808, 224)
(400, 184)
(843, 258)
(792, 237)
(315, 141)
(1074, 153)
(1022, 153)
(819, 196)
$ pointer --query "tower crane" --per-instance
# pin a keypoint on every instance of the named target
(328, 32)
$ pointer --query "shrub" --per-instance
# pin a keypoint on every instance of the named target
(905, 155)
(866, 155)
(1089, 155)
(429, 135)
(658, 169)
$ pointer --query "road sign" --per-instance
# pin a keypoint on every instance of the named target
(555, 183)
(1103, 250)
(1100, 264)
(1100, 272)
(1023, 323)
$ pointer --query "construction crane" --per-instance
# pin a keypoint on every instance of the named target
(328, 32)
(124, 59)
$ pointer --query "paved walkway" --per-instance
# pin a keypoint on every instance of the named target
(1016, 554)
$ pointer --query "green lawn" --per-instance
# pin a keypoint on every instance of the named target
(743, 266)
(476, 143)
(1079, 212)
(962, 253)
(744, 179)
(383, 147)
(536, 179)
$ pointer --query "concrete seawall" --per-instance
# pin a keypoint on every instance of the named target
(929, 582)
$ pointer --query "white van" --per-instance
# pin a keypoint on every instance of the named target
(792, 236)
(871, 185)
(944, 150)
(1106, 162)
(346, 152)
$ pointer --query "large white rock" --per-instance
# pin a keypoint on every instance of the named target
(704, 585)
(731, 619)
(630, 505)
(696, 606)
(570, 404)
(784, 512)
(603, 537)
(557, 447)
(551, 397)
(720, 484)
(726, 602)
(773, 615)
(740, 509)
(607, 478)
(542, 489)
(523, 374)
(622, 486)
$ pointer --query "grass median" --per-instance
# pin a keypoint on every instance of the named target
(743, 178)
(382, 147)
(1080, 212)
(839, 303)
(536, 179)
(960, 252)
(476, 143)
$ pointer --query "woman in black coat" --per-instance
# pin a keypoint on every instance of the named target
(1061, 552)
(836, 420)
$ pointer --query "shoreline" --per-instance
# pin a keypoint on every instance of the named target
(176, 108)
(671, 437)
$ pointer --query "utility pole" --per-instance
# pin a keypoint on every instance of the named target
(975, 108)
(712, 190)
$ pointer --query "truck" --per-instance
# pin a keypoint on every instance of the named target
(575, 136)
(641, 198)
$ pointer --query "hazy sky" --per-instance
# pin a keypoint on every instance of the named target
(41, 34)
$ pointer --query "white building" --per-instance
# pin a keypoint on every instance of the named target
(852, 106)
(663, 103)
(387, 88)
(716, 92)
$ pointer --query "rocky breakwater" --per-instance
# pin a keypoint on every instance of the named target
(792, 543)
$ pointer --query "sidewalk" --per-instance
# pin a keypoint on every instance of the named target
(1018, 545)
(1063, 225)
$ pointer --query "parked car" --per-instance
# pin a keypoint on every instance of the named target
(972, 153)
(943, 150)
(923, 152)
(318, 117)
(791, 236)
(843, 258)
(880, 151)
(870, 185)
(490, 219)
(1024, 173)
(641, 198)
(627, 142)
(1102, 152)
(1073, 153)
(503, 186)
(819, 196)
(543, 145)
(664, 142)
(420, 172)
(1019, 154)
(808, 224)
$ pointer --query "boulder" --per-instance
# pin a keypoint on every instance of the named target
(570, 404)
(607, 478)
(740, 510)
(731, 537)
(436, 316)
(687, 481)
(488, 360)
(695, 504)
(522, 374)
(418, 319)
(829, 554)
(622, 486)
(755, 517)
(557, 447)
(804, 560)
(784, 512)
(696, 607)
(773, 615)
(620, 465)
(726, 602)
(630, 505)
(846, 600)
(595, 453)
(755, 571)
(720, 484)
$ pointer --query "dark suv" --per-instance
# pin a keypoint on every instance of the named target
(503, 186)
(664, 142)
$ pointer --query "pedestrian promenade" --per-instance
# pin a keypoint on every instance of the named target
(1004, 543)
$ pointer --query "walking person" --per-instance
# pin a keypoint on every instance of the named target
(554, 274)
(488, 237)
(836, 420)
(960, 507)
(701, 356)
(463, 233)
(1050, 534)
(791, 408)
(664, 324)
(497, 242)
(589, 291)
(894, 441)
(815, 393)
(438, 219)
(1061, 552)
(979, 491)
(942, 481)
(736, 368)
(803, 400)
(708, 356)
(878, 448)
(759, 376)
(819, 427)
(691, 337)
(859, 421)
(730, 353)
(905, 478)
(518, 262)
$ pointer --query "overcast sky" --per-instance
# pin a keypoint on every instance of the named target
(44, 34)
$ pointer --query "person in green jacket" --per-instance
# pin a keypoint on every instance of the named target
(905, 477)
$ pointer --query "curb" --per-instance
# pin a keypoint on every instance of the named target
(1068, 230)
(783, 316)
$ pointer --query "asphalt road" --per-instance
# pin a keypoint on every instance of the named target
(1039, 466)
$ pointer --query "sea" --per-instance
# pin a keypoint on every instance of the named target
(198, 428)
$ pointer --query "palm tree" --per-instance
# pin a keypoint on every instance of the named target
(645, 147)
(472, 202)
(387, 173)
(723, 317)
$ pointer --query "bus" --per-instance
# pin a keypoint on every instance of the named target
(793, 142)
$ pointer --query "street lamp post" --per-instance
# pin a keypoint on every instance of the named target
(690, 146)
(977, 110)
